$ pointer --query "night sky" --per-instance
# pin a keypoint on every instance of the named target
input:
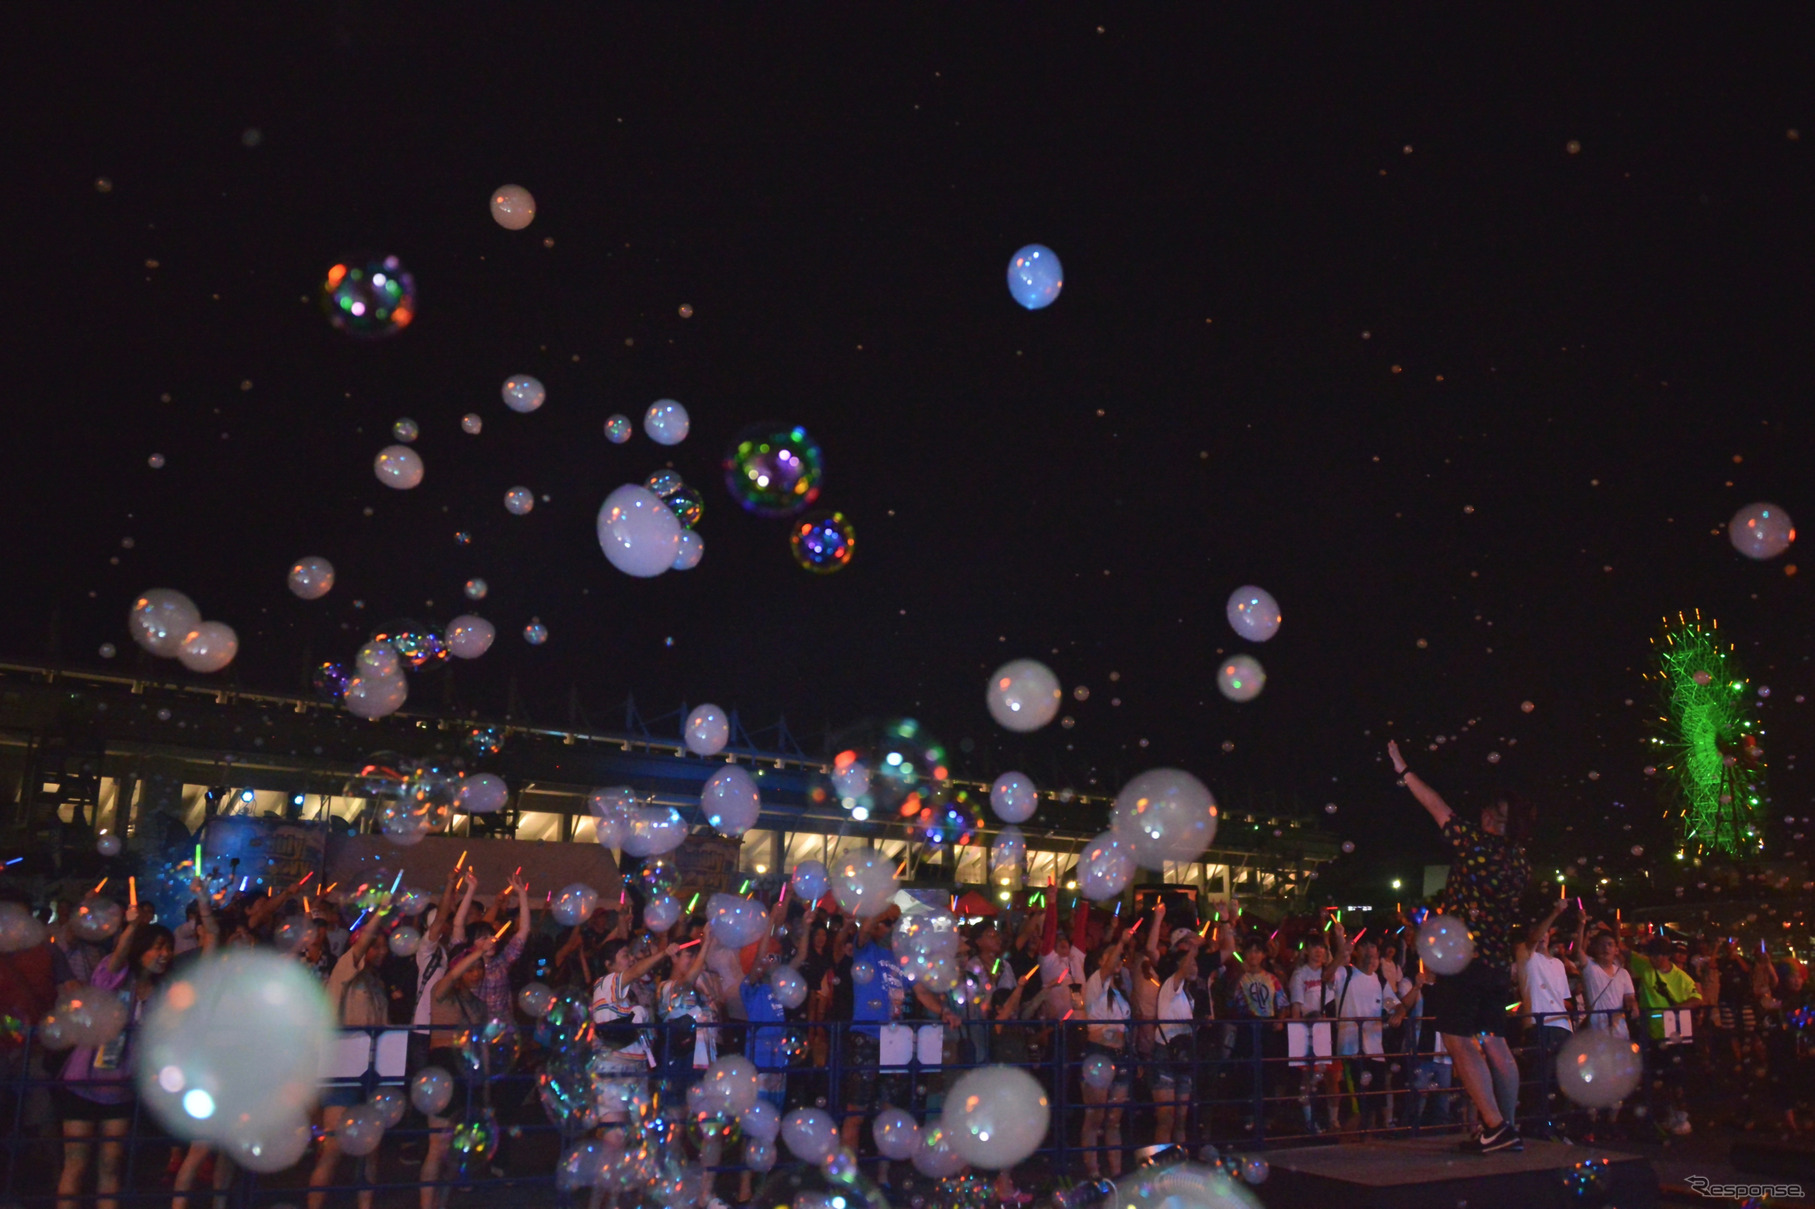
(1462, 334)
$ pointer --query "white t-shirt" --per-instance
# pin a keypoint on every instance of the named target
(1305, 990)
(1547, 990)
(1606, 993)
(1103, 1000)
(1172, 1008)
(1369, 998)
(1069, 971)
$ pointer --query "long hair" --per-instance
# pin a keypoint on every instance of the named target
(142, 942)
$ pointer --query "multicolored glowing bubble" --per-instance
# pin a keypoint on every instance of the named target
(686, 504)
(1035, 277)
(370, 299)
(666, 422)
(417, 645)
(483, 741)
(688, 554)
(774, 470)
(618, 429)
(398, 467)
(329, 680)
(513, 207)
(890, 771)
(518, 501)
(664, 483)
(472, 424)
(523, 393)
(535, 633)
(311, 578)
(1253, 613)
(823, 543)
(1241, 678)
(1761, 531)
(476, 589)
(406, 430)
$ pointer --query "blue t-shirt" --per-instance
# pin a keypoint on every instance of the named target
(768, 1048)
(873, 1002)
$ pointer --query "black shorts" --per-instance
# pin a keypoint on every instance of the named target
(1473, 1002)
(866, 1088)
(71, 1107)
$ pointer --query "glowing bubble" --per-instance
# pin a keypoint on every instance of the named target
(370, 299)
(1597, 1068)
(248, 1028)
(863, 882)
(935, 1157)
(209, 647)
(391, 1104)
(1253, 613)
(535, 1000)
(1105, 868)
(666, 422)
(535, 633)
(476, 589)
(1241, 678)
(19, 929)
(1255, 1170)
(637, 532)
(1013, 797)
(330, 680)
(664, 483)
(108, 845)
(271, 1147)
(897, 1134)
(1187, 1186)
(1023, 695)
(523, 393)
(823, 543)
(1761, 531)
(518, 501)
(863, 973)
(404, 941)
(810, 1135)
(378, 658)
(789, 987)
(431, 1090)
(472, 424)
(735, 920)
(108, 650)
(97, 918)
(774, 470)
(1164, 814)
(996, 1116)
(418, 646)
(513, 208)
(1035, 277)
(1008, 849)
(398, 467)
(1098, 1071)
(706, 731)
(1445, 944)
(160, 619)
(687, 505)
(730, 802)
(406, 430)
(661, 913)
(371, 696)
(361, 1130)
(618, 429)
(729, 1086)
(469, 637)
(311, 578)
(582, 1165)
(810, 881)
(654, 830)
(481, 793)
(688, 554)
(574, 904)
(155, 461)
(760, 1120)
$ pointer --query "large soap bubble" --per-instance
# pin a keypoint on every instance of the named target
(729, 1086)
(637, 532)
(431, 1090)
(1597, 1069)
(897, 1134)
(519, 501)
(523, 393)
(369, 299)
(275, 1147)
(687, 505)
(925, 933)
(209, 647)
(1035, 277)
(469, 636)
(418, 645)
(1761, 531)
(661, 913)
(398, 467)
(1023, 695)
(730, 801)
(823, 542)
(311, 578)
(19, 929)
(1013, 797)
(1105, 868)
(1445, 944)
(1164, 814)
(1253, 613)
(996, 1116)
(371, 696)
(160, 619)
(810, 881)
(774, 469)
(935, 1157)
(810, 1134)
(688, 554)
(97, 918)
(481, 793)
(789, 987)
(513, 207)
(666, 422)
(707, 731)
(891, 770)
(232, 1048)
(760, 1120)
(574, 905)
(361, 1129)
(653, 830)
(736, 921)
(618, 430)
(863, 882)
(1241, 678)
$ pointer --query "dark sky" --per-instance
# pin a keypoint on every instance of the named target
(1345, 316)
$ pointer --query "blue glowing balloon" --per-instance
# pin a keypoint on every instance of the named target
(1035, 277)
(823, 543)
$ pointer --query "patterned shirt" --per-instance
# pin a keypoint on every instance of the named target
(1485, 883)
(494, 989)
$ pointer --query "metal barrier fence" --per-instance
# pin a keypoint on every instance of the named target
(1245, 1083)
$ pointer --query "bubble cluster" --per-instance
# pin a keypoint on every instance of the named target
(369, 299)
(774, 470)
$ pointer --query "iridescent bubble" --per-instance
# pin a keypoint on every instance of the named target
(311, 578)
(160, 619)
(688, 554)
(476, 589)
(513, 207)
(523, 393)
(892, 770)
(1035, 277)
(1164, 814)
(1761, 531)
(618, 429)
(666, 422)
(687, 505)
(1253, 613)
(706, 731)
(398, 467)
(519, 500)
(823, 543)
(209, 647)
(406, 430)
(664, 483)
(774, 469)
(1241, 678)
(472, 424)
(1445, 945)
(996, 1116)
(1597, 1068)
(329, 680)
(369, 299)
(483, 741)
(637, 532)
(1013, 797)
(1023, 695)
(416, 644)
(535, 633)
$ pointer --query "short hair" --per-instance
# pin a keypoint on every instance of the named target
(1521, 813)
(1169, 964)
(1659, 946)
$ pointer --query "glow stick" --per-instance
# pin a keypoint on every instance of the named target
(690, 903)
(310, 874)
(132, 891)
(329, 887)
(461, 861)
(691, 943)
(98, 886)
(397, 881)
(502, 929)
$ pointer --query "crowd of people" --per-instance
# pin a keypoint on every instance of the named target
(1181, 1022)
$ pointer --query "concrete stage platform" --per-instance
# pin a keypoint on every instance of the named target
(1431, 1173)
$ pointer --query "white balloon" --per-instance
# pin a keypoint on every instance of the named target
(1098, 1072)
(481, 793)
(661, 913)
(653, 830)
(370, 696)
(535, 999)
(519, 501)
(108, 845)
(897, 1134)
(1008, 848)
(706, 731)
(863, 882)
(1023, 695)
(638, 533)
(810, 1135)
(311, 578)
(730, 801)
(1253, 613)
(378, 659)
(666, 422)
(404, 941)
(1014, 798)
(926, 933)
(996, 1116)
(1105, 868)
(160, 619)
(789, 987)
(469, 636)
(810, 881)
(611, 812)
(398, 467)
(574, 905)
(98, 918)
(692, 548)
(431, 1090)
(209, 647)
(361, 1130)
(391, 1103)
(19, 929)
(729, 1086)
(1241, 677)
(735, 920)
(760, 1120)
(523, 393)
(1597, 1069)
(1761, 531)
(1445, 945)
(934, 1157)
(276, 1146)
(513, 207)
(1164, 814)
(232, 1048)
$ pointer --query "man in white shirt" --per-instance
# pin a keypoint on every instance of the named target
(1310, 998)
(1062, 977)
(1364, 1003)
(1607, 989)
(1544, 987)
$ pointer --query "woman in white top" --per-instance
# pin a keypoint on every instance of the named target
(627, 1056)
(1174, 1056)
(1607, 988)
(1106, 1009)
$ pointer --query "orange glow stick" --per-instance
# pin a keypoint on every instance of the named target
(330, 886)
(132, 890)
(462, 859)
(502, 929)
(98, 886)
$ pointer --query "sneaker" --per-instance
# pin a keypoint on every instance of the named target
(1503, 1138)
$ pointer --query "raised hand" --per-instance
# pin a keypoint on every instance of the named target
(1392, 751)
